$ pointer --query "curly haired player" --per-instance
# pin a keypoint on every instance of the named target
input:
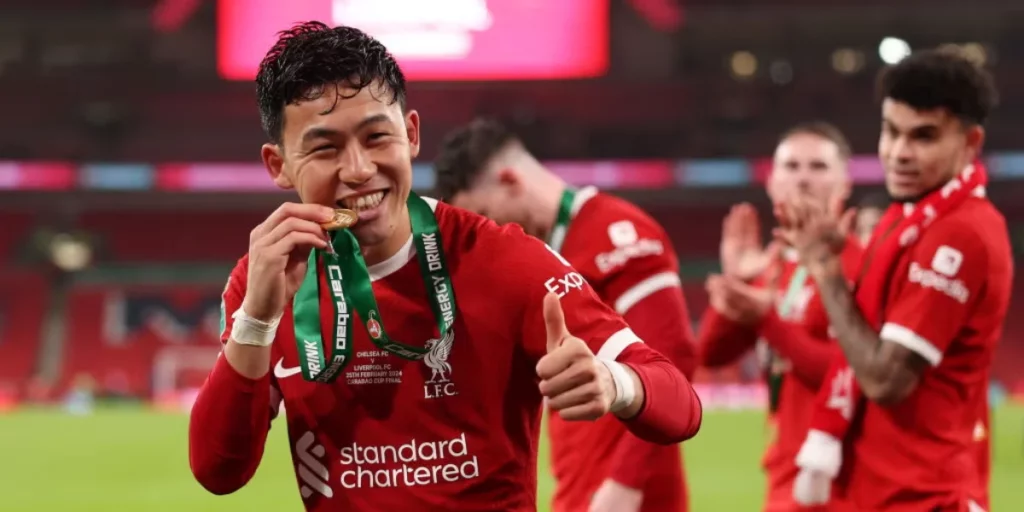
(895, 423)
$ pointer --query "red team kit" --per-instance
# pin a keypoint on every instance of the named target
(797, 335)
(418, 382)
(629, 261)
(945, 267)
(399, 434)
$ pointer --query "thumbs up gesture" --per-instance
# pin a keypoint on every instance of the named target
(574, 382)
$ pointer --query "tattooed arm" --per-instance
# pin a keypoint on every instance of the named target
(886, 371)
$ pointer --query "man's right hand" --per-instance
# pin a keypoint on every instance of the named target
(742, 254)
(740, 302)
(278, 252)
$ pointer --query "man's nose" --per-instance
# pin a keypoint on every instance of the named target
(356, 167)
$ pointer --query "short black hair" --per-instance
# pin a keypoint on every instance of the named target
(947, 79)
(876, 200)
(466, 151)
(824, 130)
(310, 56)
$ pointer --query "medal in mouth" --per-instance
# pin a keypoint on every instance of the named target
(343, 218)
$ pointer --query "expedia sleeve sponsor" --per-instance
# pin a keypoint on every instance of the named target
(954, 288)
(565, 284)
(608, 261)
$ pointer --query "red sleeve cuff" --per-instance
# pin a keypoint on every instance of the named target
(671, 412)
(227, 377)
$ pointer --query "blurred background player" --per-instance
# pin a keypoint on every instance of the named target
(764, 294)
(869, 211)
(918, 337)
(630, 262)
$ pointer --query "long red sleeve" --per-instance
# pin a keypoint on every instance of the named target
(721, 341)
(662, 321)
(809, 357)
(228, 428)
(672, 411)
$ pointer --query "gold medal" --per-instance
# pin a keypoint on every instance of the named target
(342, 219)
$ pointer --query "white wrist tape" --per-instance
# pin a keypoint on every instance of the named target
(247, 330)
(625, 390)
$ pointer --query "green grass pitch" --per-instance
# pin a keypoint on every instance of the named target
(133, 459)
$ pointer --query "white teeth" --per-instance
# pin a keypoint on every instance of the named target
(366, 202)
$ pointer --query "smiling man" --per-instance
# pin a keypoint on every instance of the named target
(408, 383)
(919, 330)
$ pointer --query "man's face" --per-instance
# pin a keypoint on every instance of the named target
(867, 220)
(923, 149)
(349, 152)
(499, 195)
(808, 164)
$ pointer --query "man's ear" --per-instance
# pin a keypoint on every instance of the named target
(508, 177)
(273, 160)
(412, 130)
(975, 141)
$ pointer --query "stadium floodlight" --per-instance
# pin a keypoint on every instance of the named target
(69, 253)
(893, 49)
(847, 61)
(743, 64)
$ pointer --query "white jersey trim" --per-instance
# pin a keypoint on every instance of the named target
(431, 201)
(394, 263)
(404, 255)
(904, 336)
(582, 196)
(644, 289)
(616, 343)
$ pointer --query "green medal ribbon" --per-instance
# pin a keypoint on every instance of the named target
(563, 219)
(349, 285)
(796, 283)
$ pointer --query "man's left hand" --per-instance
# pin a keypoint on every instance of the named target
(817, 232)
(573, 381)
(615, 497)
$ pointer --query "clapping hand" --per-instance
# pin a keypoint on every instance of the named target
(743, 256)
(817, 232)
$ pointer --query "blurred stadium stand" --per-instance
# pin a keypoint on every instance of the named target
(129, 173)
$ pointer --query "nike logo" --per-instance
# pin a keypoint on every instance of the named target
(283, 373)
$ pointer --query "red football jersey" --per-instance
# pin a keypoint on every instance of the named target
(629, 261)
(800, 385)
(947, 302)
(393, 434)
(723, 341)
